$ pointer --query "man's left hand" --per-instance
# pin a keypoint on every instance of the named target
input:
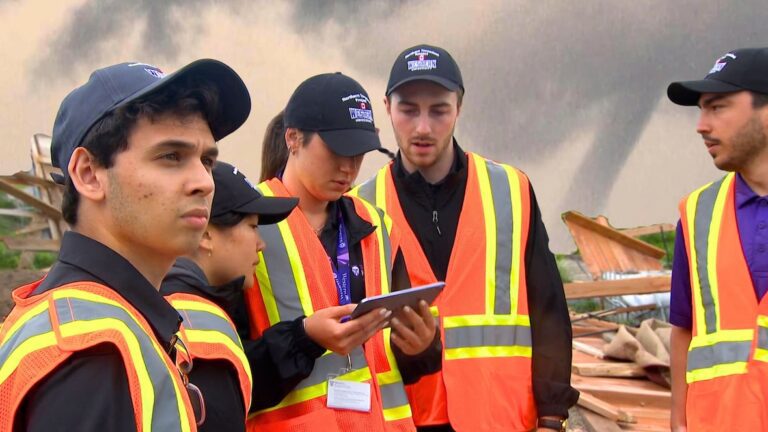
(413, 332)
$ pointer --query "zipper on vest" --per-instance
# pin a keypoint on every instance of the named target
(435, 221)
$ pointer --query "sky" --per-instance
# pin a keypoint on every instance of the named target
(572, 93)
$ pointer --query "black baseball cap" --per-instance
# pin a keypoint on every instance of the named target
(236, 194)
(338, 109)
(741, 69)
(425, 62)
(115, 86)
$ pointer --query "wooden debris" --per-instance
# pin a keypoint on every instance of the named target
(598, 423)
(587, 349)
(622, 370)
(646, 285)
(604, 408)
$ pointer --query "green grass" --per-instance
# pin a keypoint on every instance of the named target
(584, 305)
(665, 242)
(8, 225)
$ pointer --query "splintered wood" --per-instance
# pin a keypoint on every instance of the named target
(614, 395)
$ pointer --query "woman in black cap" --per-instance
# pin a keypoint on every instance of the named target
(207, 290)
(331, 252)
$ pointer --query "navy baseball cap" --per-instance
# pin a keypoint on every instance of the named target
(425, 62)
(236, 194)
(741, 69)
(118, 85)
(338, 109)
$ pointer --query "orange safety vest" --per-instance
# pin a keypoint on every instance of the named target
(294, 278)
(728, 354)
(485, 383)
(44, 330)
(209, 334)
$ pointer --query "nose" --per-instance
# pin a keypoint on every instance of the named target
(200, 180)
(423, 127)
(703, 126)
(346, 164)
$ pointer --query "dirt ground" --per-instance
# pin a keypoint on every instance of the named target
(10, 280)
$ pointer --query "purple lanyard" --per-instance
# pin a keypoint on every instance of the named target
(341, 267)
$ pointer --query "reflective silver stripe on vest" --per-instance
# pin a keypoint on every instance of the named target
(367, 190)
(332, 364)
(393, 395)
(35, 326)
(280, 274)
(387, 246)
(165, 412)
(719, 353)
(701, 225)
(199, 320)
(762, 337)
(479, 336)
(502, 205)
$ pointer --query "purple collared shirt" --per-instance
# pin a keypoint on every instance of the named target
(752, 220)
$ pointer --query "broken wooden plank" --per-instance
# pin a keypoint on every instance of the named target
(598, 423)
(621, 393)
(31, 244)
(614, 234)
(604, 408)
(623, 370)
(47, 209)
(588, 349)
(650, 229)
(645, 285)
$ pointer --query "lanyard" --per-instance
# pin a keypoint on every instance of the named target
(341, 268)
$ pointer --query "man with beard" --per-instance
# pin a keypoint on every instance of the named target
(474, 223)
(720, 272)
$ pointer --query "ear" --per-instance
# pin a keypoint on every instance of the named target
(88, 177)
(292, 139)
(387, 106)
(206, 242)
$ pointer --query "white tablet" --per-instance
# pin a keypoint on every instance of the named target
(395, 301)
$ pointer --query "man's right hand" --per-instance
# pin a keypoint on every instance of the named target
(326, 329)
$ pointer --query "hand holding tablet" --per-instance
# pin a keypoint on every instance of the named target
(399, 299)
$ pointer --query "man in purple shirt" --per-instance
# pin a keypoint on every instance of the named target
(733, 123)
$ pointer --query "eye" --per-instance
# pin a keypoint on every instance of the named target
(172, 156)
(208, 161)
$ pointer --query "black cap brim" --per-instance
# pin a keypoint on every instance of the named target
(351, 142)
(234, 101)
(448, 84)
(687, 93)
(271, 210)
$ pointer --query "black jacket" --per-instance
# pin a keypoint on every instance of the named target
(439, 206)
(89, 391)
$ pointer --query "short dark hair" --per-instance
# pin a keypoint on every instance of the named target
(759, 100)
(109, 136)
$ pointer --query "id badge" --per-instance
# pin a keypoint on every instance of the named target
(349, 395)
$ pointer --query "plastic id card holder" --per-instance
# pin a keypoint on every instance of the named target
(348, 395)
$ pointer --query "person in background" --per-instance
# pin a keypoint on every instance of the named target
(206, 287)
(475, 224)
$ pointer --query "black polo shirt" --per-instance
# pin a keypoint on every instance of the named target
(435, 209)
(89, 391)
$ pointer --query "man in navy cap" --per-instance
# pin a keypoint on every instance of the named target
(719, 310)
(91, 346)
(475, 224)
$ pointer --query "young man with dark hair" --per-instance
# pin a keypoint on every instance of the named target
(91, 347)
(719, 310)
(475, 224)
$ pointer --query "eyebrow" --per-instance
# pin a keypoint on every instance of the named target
(435, 105)
(174, 144)
(711, 99)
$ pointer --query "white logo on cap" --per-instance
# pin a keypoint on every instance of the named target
(721, 62)
(361, 114)
(422, 62)
(152, 70)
